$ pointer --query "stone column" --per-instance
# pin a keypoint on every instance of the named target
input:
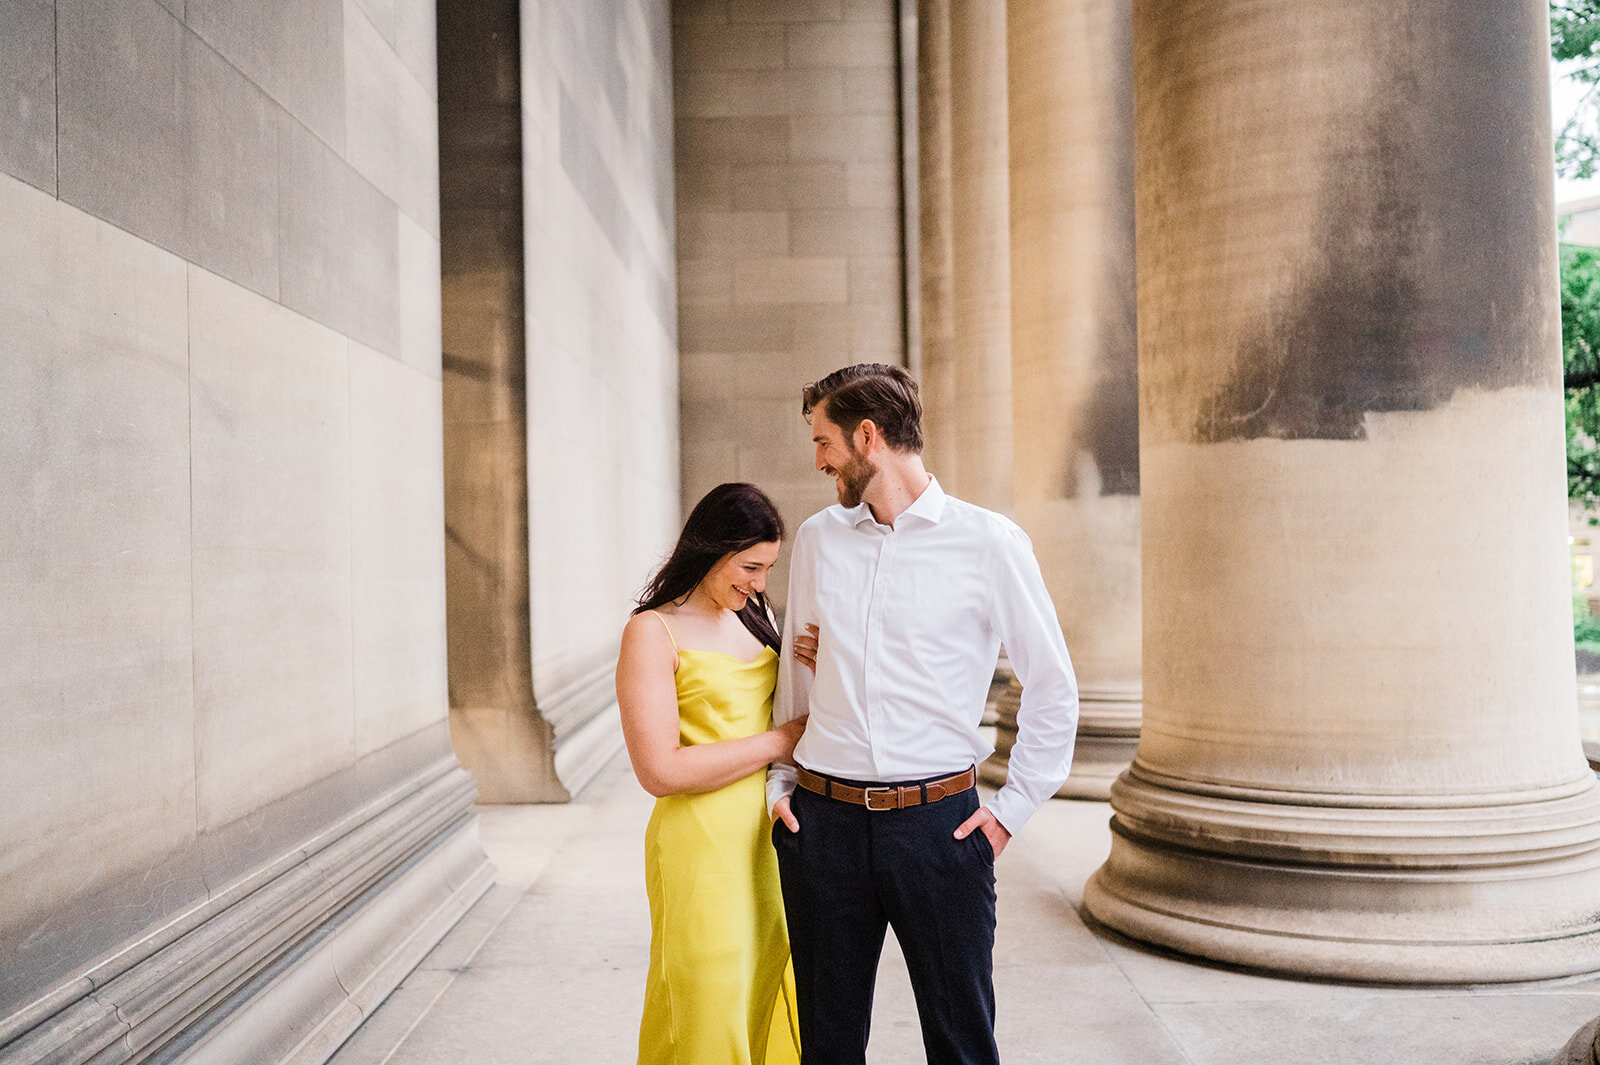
(980, 249)
(935, 243)
(1360, 751)
(1074, 359)
(497, 727)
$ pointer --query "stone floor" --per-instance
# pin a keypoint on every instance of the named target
(549, 968)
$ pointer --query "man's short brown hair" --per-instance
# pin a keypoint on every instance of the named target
(885, 394)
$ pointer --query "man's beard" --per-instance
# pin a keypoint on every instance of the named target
(854, 476)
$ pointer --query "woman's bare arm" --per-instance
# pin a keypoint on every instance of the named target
(648, 699)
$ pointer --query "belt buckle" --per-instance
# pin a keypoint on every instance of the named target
(893, 794)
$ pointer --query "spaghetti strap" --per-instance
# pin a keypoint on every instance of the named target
(664, 625)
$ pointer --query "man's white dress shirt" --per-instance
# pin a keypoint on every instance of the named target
(911, 621)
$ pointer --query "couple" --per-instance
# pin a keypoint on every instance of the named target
(899, 598)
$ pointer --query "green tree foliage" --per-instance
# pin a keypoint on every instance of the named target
(1575, 40)
(1580, 344)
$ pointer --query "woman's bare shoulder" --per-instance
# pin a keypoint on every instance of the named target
(646, 626)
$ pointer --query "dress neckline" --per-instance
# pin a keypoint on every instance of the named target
(765, 650)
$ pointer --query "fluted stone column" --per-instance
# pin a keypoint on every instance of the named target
(1360, 751)
(935, 241)
(1074, 359)
(980, 246)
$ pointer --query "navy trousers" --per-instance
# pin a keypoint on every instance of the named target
(851, 872)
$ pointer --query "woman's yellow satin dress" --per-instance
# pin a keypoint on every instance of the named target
(720, 989)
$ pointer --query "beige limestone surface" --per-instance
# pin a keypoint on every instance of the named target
(220, 559)
(397, 575)
(550, 969)
(1359, 755)
(1364, 615)
(602, 368)
(563, 409)
(270, 432)
(788, 217)
(1074, 396)
(980, 258)
(95, 593)
(935, 239)
(391, 118)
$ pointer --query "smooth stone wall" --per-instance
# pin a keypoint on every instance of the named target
(397, 589)
(602, 370)
(602, 365)
(222, 137)
(95, 574)
(789, 231)
(270, 433)
(221, 572)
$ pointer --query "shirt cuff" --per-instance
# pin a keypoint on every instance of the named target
(1009, 806)
(780, 783)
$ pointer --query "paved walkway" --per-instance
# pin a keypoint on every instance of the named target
(549, 968)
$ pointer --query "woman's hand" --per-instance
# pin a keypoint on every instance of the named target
(786, 736)
(805, 647)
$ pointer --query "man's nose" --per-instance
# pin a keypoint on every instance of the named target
(820, 464)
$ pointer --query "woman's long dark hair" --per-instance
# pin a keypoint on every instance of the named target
(729, 519)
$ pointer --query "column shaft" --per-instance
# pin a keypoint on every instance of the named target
(935, 249)
(1074, 357)
(1359, 755)
(980, 245)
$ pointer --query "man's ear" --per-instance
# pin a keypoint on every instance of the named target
(866, 434)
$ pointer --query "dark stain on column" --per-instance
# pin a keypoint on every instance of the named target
(1109, 430)
(1434, 265)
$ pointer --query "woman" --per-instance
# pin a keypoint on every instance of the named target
(695, 678)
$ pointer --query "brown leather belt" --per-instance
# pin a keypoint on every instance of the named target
(888, 798)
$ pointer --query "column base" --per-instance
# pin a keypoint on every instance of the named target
(1392, 889)
(1108, 736)
(547, 753)
(1583, 1048)
(281, 964)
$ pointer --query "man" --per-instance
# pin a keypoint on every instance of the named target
(910, 592)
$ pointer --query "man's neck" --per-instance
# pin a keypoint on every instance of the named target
(900, 480)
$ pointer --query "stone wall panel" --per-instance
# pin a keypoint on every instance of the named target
(338, 243)
(120, 116)
(272, 569)
(417, 253)
(94, 574)
(293, 49)
(396, 559)
(789, 231)
(28, 86)
(177, 565)
(230, 171)
(391, 121)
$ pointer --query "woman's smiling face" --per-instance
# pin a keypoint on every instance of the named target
(732, 580)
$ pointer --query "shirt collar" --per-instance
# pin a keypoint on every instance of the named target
(929, 506)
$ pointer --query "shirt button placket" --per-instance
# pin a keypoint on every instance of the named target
(874, 688)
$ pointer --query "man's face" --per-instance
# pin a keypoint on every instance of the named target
(837, 457)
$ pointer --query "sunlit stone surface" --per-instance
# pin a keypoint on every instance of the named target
(1360, 752)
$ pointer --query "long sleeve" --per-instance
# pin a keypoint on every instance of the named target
(792, 698)
(1047, 721)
